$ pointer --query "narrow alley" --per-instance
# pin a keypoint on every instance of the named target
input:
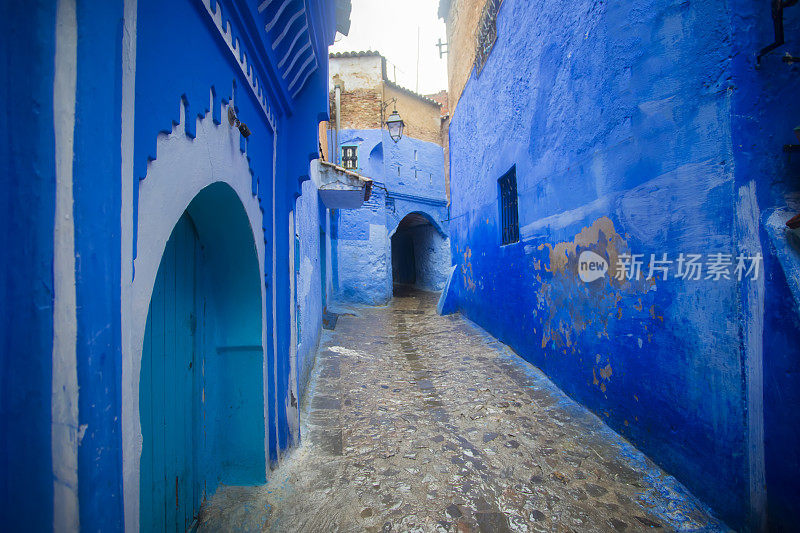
(421, 422)
(322, 266)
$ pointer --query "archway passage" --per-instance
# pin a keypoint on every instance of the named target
(420, 255)
(201, 388)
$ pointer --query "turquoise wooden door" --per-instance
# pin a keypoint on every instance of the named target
(170, 489)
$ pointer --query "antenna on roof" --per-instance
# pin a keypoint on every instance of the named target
(417, 86)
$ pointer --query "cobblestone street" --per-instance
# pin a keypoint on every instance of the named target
(416, 422)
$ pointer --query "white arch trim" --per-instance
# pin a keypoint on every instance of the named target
(183, 167)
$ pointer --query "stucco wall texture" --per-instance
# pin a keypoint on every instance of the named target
(630, 128)
(764, 110)
(412, 172)
(432, 254)
(308, 282)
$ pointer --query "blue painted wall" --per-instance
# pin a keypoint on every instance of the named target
(362, 250)
(765, 110)
(179, 56)
(432, 257)
(625, 122)
(97, 263)
(411, 174)
(308, 228)
(27, 208)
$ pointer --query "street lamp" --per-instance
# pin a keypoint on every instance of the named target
(395, 126)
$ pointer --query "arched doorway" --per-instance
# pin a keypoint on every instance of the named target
(420, 255)
(200, 392)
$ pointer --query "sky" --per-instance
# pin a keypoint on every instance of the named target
(390, 27)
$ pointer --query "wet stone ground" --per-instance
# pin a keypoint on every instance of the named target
(416, 422)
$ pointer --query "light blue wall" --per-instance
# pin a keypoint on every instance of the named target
(432, 253)
(364, 263)
(618, 119)
(393, 164)
(362, 247)
(308, 282)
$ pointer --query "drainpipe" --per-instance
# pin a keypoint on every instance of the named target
(338, 102)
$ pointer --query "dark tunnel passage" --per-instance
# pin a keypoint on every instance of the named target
(420, 255)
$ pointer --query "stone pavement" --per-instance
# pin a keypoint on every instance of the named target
(416, 422)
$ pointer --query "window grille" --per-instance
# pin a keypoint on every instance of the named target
(486, 33)
(350, 157)
(509, 212)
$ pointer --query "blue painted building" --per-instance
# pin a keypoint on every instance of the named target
(155, 154)
(399, 236)
(311, 264)
(640, 131)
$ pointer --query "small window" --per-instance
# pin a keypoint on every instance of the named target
(509, 214)
(486, 34)
(350, 157)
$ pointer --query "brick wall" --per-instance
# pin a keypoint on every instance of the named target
(422, 118)
(361, 109)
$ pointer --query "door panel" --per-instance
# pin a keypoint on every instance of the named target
(169, 406)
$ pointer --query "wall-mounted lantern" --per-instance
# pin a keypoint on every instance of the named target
(395, 126)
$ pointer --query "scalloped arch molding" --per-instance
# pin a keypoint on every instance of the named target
(184, 166)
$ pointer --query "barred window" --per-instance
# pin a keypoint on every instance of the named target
(509, 213)
(486, 33)
(350, 157)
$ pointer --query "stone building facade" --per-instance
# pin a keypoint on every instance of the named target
(407, 213)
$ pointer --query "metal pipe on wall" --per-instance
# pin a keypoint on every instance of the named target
(338, 103)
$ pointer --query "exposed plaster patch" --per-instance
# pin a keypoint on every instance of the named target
(567, 306)
(466, 270)
(589, 237)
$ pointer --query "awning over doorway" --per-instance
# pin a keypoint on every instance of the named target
(340, 188)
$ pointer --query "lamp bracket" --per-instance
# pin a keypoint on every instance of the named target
(385, 105)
